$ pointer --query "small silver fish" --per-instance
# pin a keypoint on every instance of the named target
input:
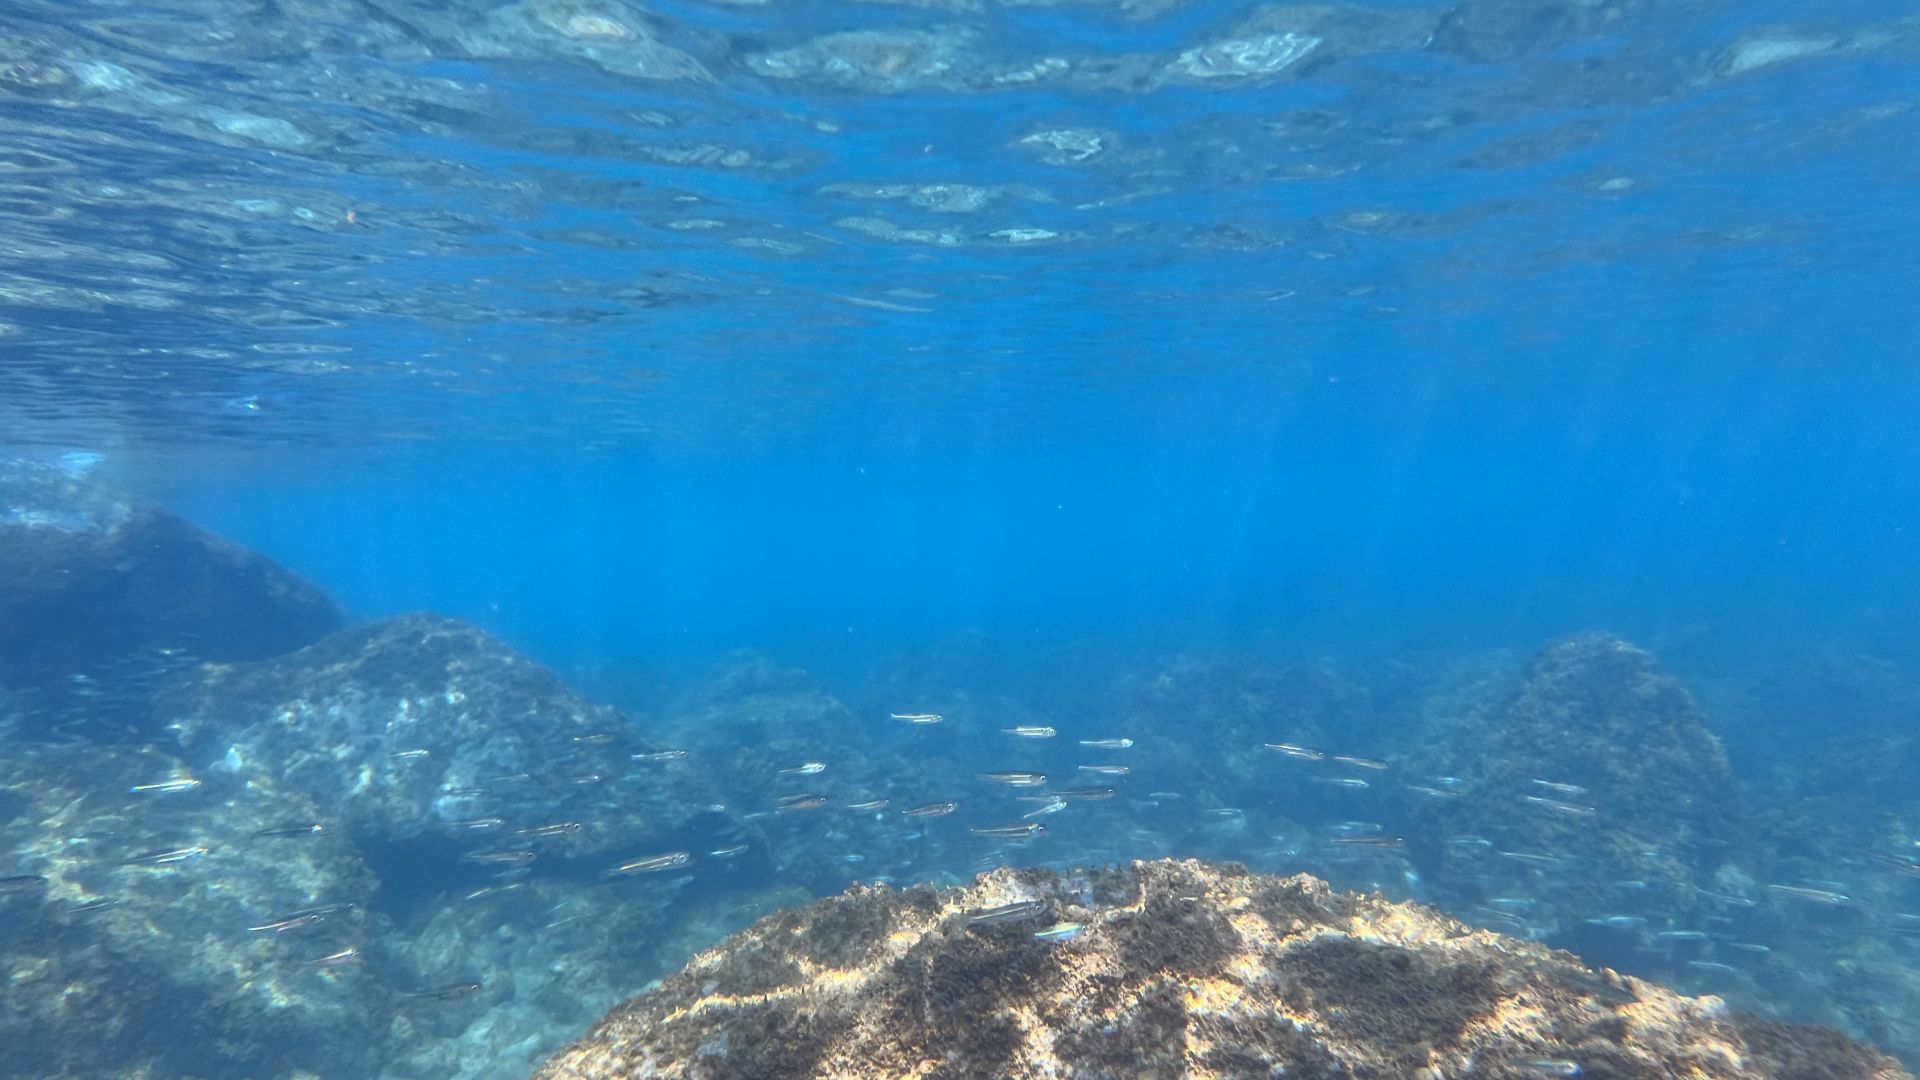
(453, 992)
(790, 803)
(1083, 793)
(1016, 779)
(1391, 843)
(1105, 770)
(409, 755)
(1572, 809)
(345, 956)
(808, 768)
(1061, 931)
(1108, 744)
(1564, 789)
(1351, 782)
(653, 864)
(558, 828)
(728, 852)
(1018, 911)
(918, 717)
(932, 809)
(1818, 896)
(300, 919)
(285, 831)
(1044, 809)
(1293, 750)
(1360, 762)
(1030, 731)
(870, 804)
(479, 824)
(167, 858)
(1022, 831)
(500, 858)
(1547, 1067)
(597, 738)
(659, 755)
(178, 783)
(1620, 922)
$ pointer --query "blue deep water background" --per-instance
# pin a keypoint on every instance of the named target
(644, 335)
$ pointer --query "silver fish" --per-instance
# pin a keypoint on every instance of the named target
(1016, 779)
(1021, 831)
(178, 783)
(284, 831)
(1293, 750)
(1018, 911)
(653, 864)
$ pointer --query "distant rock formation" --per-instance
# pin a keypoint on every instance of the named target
(1600, 769)
(101, 598)
(1177, 969)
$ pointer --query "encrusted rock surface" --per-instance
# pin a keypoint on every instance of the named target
(1182, 969)
(1601, 768)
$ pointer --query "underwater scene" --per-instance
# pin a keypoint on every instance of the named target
(959, 538)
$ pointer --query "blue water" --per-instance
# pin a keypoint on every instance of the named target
(1441, 343)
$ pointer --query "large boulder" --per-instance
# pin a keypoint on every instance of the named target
(445, 753)
(1599, 790)
(1168, 969)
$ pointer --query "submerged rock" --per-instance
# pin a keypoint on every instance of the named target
(1600, 770)
(157, 932)
(101, 598)
(444, 749)
(1176, 969)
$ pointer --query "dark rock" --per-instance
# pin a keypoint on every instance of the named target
(415, 724)
(1181, 969)
(100, 599)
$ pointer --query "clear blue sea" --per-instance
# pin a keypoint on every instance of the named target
(1200, 373)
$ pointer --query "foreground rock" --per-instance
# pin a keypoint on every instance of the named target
(1181, 969)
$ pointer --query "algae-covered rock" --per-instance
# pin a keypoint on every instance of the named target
(441, 746)
(1601, 769)
(1176, 969)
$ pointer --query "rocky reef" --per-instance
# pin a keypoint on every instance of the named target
(1169, 969)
